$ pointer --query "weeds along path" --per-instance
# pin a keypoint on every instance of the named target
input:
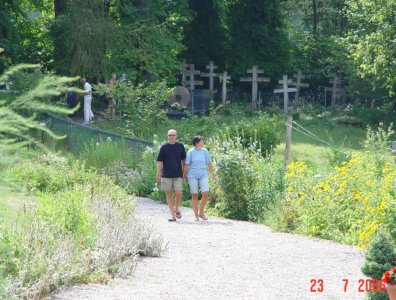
(226, 259)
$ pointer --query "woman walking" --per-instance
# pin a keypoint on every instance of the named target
(197, 160)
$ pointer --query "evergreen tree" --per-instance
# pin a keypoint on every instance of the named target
(94, 38)
(257, 37)
(151, 35)
(378, 260)
(204, 35)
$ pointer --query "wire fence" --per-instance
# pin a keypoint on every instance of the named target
(79, 135)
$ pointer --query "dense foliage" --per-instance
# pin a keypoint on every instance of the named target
(257, 37)
(204, 35)
(348, 204)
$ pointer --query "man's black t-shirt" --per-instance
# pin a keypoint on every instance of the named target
(171, 155)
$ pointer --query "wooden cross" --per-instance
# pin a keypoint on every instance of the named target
(334, 91)
(298, 84)
(254, 79)
(184, 73)
(285, 90)
(192, 82)
(211, 76)
(224, 79)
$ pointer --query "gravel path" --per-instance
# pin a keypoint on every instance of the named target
(226, 259)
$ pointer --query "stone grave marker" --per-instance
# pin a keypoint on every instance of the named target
(254, 80)
(181, 96)
(285, 90)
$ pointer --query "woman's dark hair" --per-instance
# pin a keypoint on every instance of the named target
(197, 139)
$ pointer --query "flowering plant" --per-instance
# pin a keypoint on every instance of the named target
(390, 276)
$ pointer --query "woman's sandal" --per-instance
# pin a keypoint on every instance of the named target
(178, 214)
(173, 219)
(203, 217)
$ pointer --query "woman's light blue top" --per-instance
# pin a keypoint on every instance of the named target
(197, 159)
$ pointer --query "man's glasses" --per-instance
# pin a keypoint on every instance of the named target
(171, 134)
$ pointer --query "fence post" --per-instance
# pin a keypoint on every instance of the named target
(394, 149)
(288, 138)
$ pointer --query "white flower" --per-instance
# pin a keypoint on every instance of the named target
(224, 144)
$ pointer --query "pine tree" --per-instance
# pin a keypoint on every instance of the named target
(204, 36)
(378, 260)
(257, 37)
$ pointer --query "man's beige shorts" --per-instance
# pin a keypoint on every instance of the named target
(171, 184)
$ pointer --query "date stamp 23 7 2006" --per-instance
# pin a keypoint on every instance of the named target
(364, 285)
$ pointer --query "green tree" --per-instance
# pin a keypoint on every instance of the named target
(370, 40)
(204, 35)
(257, 37)
(151, 35)
(85, 32)
(94, 38)
(9, 39)
(23, 32)
(314, 29)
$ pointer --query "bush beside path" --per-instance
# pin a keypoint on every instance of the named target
(227, 259)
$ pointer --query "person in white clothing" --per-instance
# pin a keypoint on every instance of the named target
(88, 114)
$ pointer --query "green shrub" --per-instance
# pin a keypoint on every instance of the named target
(247, 183)
(273, 111)
(261, 132)
(268, 191)
(143, 103)
(375, 116)
(310, 109)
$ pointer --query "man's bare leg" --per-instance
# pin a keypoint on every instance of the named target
(169, 201)
(179, 195)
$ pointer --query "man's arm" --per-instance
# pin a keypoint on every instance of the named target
(160, 166)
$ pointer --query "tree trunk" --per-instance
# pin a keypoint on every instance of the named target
(59, 7)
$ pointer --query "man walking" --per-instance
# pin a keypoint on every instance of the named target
(170, 164)
(88, 114)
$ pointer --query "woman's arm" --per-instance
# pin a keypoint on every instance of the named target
(212, 172)
(185, 168)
